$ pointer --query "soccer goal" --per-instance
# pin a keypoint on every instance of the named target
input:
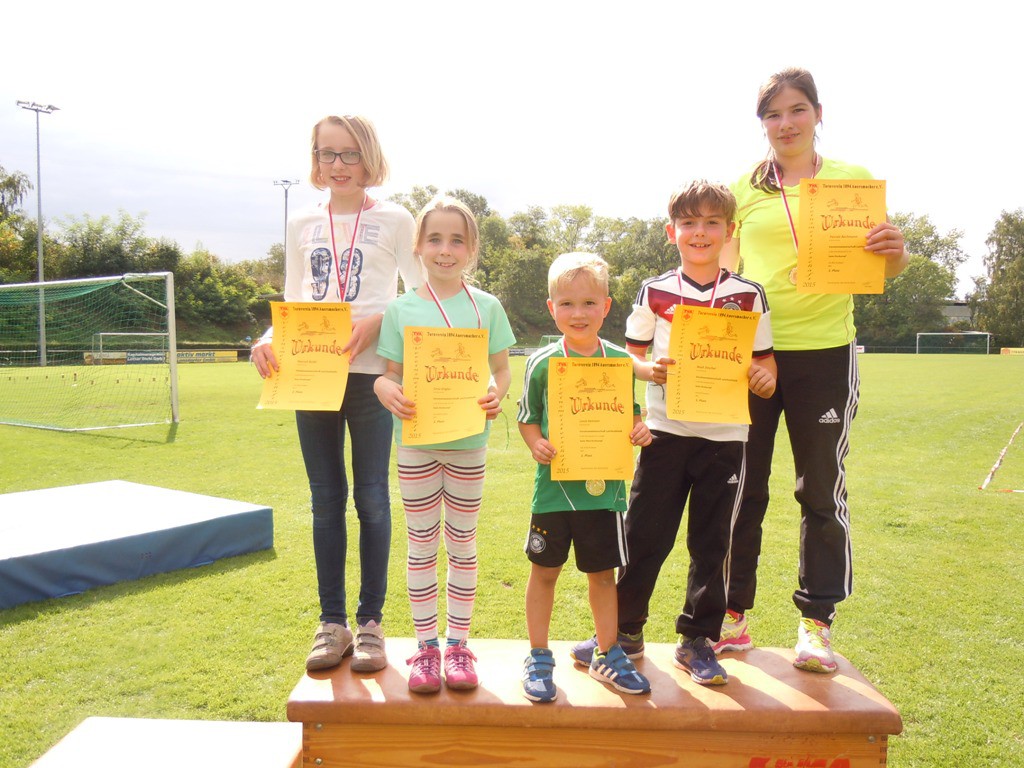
(964, 343)
(87, 354)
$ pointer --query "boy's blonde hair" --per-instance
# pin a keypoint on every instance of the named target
(365, 134)
(566, 267)
(702, 195)
(444, 204)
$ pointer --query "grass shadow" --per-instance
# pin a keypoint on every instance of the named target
(156, 434)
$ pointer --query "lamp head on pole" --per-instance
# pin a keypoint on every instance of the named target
(37, 108)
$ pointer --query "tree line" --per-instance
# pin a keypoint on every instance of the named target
(221, 301)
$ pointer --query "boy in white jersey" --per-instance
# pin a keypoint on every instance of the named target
(700, 461)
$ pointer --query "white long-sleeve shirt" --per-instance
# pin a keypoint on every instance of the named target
(383, 251)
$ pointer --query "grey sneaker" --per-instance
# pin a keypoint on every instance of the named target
(583, 652)
(369, 654)
(332, 643)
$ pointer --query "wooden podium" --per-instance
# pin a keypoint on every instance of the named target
(769, 715)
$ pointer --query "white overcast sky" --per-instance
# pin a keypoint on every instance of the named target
(188, 111)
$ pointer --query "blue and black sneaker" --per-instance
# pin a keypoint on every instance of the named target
(697, 656)
(618, 671)
(583, 653)
(538, 672)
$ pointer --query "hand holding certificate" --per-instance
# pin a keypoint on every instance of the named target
(712, 349)
(590, 403)
(444, 372)
(835, 217)
(313, 371)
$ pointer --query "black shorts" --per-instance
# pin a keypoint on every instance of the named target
(597, 535)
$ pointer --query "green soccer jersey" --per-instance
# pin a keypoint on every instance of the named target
(559, 496)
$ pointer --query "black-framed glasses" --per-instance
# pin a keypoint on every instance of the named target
(348, 157)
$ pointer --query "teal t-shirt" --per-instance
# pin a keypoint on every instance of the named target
(553, 495)
(409, 310)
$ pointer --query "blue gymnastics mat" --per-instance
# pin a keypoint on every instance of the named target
(61, 541)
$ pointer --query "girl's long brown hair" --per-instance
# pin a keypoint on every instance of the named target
(763, 177)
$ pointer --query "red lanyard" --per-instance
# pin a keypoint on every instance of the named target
(714, 289)
(785, 201)
(447, 320)
(351, 250)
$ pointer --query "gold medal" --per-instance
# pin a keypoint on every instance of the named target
(792, 275)
(595, 487)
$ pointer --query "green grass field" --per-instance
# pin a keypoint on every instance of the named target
(934, 621)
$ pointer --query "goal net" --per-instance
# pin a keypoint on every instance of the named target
(89, 354)
(964, 343)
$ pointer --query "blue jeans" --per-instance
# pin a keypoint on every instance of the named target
(322, 439)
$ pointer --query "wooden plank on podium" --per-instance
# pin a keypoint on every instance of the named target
(119, 742)
(768, 714)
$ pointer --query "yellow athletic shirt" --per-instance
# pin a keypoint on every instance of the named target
(799, 320)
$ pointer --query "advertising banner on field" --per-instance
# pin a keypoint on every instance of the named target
(159, 357)
(207, 356)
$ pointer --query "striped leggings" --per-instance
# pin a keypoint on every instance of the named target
(430, 479)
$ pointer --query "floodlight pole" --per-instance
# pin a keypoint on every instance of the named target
(47, 109)
(286, 183)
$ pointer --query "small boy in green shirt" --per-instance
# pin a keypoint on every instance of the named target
(584, 515)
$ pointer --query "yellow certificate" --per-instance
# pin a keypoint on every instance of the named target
(444, 372)
(312, 369)
(712, 349)
(835, 217)
(590, 416)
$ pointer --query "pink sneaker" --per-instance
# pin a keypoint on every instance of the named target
(735, 634)
(459, 672)
(814, 647)
(426, 670)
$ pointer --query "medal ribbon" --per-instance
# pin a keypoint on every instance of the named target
(351, 250)
(447, 320)
(785, 202)
(714, 289)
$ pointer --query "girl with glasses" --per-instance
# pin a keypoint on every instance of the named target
(350, 248)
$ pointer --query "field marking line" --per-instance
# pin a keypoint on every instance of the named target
(999, 461)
